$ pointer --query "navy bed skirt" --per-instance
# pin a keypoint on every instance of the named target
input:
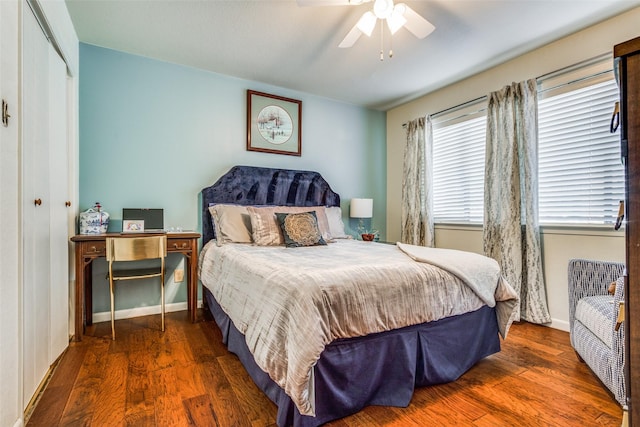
(378, 369)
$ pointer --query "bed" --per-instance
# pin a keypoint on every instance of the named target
(328, 328)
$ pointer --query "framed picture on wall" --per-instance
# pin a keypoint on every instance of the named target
(274, 124)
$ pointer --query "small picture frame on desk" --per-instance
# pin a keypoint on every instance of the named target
(133, 226)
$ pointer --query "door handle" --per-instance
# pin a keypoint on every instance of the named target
(5, 113)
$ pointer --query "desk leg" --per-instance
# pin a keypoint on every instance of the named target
(187, 260)
(88, 293)
(192, 292)
(79, 297)
(84, 296)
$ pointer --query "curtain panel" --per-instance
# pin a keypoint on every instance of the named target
(417, 193)
(511, 230)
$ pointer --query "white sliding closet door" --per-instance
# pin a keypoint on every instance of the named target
(45, 191)
(10, 375)
(59, 196)
(35, 204)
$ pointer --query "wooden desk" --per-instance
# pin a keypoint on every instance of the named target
(92, 246)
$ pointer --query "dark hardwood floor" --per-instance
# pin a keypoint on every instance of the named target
(187, 377)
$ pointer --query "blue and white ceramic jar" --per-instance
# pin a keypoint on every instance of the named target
(94, 220)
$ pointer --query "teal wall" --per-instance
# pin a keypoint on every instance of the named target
(153, 134)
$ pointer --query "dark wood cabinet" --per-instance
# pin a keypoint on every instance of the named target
(628, 54)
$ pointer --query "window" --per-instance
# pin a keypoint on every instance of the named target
(458, 164)
(581, 177)
(580, 174)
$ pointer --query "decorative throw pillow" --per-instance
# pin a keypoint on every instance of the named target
(336, 226)
(266, 231)
(231, 223)
(300, 229)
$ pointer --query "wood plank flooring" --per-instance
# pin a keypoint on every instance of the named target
(185, 376)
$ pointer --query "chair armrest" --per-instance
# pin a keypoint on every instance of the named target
(590, 278)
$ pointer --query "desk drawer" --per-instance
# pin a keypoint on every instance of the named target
(174, 245)
(94, 248)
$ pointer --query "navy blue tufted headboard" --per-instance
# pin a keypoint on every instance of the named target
(249, 185)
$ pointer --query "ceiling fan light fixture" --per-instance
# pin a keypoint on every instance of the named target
(383, 8)
(396, 20)
(367, 23)
(397, 16)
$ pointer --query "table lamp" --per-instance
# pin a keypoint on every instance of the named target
(361, 209)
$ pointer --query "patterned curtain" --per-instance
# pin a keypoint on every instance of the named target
(417, 197)
(511, 230)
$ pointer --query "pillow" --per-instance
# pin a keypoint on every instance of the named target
(231, 223)
(300, 229)
(336, 226)
(266, 231)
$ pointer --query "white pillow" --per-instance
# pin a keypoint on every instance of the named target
(232, 224)
(336, 226)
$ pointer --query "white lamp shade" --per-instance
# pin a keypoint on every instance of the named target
(361, 208)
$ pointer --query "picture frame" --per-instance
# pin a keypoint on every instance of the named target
(133, 226)
(274, 124)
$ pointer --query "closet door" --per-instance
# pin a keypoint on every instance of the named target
(58, 207)
(10, 376)
(35, 205)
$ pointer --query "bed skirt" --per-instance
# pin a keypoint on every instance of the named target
(378, 369)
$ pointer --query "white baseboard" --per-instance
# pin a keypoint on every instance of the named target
(105, 316)
(562, 325)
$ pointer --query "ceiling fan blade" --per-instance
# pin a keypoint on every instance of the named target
(351, 38)
(419, 26)
(305, 3)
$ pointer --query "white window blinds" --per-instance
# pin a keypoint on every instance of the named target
(458, 166)
(581, 177)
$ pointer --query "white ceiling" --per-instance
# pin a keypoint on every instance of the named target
(279, 43)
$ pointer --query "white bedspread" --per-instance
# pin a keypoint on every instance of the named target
(480, 273)
(291, 302)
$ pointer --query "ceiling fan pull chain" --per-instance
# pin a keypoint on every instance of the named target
(381, 42)
(390, 46)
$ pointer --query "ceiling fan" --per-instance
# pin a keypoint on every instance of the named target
(397, 16)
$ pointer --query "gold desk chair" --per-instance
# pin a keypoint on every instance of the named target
(135, 248)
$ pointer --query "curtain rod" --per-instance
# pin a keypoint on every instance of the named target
(573, 67)
(540, 78)
(581, 79)
(454, 108)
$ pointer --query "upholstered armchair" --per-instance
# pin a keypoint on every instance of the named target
(593, 314)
